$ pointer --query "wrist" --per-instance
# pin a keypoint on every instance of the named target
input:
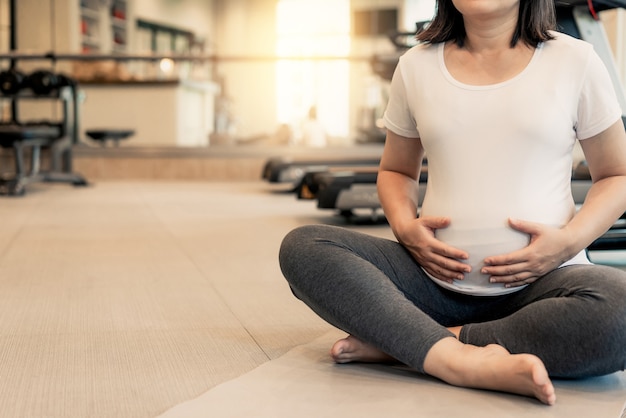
(402, 228)
(572, 243)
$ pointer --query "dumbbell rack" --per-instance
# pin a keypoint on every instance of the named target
(58, 137)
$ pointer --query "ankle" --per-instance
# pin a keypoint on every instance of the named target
(456, 331)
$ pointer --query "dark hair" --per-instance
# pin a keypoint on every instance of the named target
(536, 19)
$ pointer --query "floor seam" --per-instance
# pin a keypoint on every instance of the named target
(200, 271)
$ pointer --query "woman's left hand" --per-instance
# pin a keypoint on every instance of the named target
(546, 250)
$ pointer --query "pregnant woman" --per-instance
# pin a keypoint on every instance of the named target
(490, 286)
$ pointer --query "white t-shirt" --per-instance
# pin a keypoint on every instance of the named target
(502, 150)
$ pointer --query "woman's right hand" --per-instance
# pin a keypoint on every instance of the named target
(398, 184)
(440, 260)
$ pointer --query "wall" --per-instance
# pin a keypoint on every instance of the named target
(194, 15)
(47, 25)
(245, 30)
(4, 26)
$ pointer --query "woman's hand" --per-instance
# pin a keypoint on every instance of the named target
(437, 258)
(548, 249)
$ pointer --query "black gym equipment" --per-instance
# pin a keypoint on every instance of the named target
(44, 82)
(315, 184)
(613, 240)
(56, 136)
(103, 136)
(22, 136)
(309, 185)
(11, 81)
(351, 193)
(291, 170)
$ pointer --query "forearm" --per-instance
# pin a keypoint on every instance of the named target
(605, 203)
(398, 195)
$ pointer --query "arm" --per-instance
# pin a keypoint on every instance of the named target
(606, 199)
(398, 177)
(398, 181)
(605, 202)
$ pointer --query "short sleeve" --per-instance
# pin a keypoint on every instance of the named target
(397, 116)
(598, 107)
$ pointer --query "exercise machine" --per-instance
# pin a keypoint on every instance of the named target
(22, 137)
(291, 170)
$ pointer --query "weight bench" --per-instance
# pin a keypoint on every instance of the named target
(19, 138)
(57, 137)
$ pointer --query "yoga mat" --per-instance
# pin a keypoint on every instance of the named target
(306, 383)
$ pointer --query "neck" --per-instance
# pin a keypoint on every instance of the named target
(485, 36)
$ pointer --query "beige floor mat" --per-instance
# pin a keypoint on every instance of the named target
(306, 383)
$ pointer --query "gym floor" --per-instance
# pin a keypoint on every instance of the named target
(124, 299)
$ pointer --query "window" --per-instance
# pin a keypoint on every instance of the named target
(313, 38)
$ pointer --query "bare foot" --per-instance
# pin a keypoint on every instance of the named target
(491, 367)
(351, 349)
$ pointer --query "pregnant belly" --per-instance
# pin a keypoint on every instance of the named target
(480, 244)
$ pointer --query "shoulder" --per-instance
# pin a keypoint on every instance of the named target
(566, 56)
(419, 53)
(565, 45)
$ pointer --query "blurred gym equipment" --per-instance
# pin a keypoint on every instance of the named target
(22, 136)
(57, 136)
(290, 170)
(105, 135)
(11, 81)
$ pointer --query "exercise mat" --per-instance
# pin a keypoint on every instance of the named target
(306, 383)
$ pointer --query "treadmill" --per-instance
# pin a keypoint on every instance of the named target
(291, 170)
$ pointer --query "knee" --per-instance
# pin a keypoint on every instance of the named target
(294, 241)
(296, 250)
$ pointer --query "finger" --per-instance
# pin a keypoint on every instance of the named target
(445, 268)
(512, 278)
(515, 257)
(530, 228)
(503, 270)
(435, 222)
(521, 282)
(441, 273)
(451, 268)
(450, 259)
(448, 251)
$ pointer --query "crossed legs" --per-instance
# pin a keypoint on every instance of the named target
(373, 289)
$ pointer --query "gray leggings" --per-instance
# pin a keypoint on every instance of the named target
(573, 318)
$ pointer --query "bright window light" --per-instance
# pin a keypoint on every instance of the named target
(317, 29)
